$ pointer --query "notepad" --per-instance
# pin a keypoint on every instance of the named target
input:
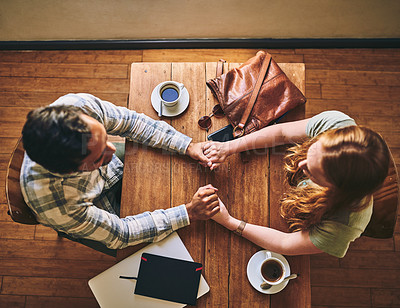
(168, 278)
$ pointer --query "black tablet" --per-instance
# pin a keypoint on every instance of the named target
(168, 278)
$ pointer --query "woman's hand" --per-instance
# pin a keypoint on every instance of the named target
(216, 152)
(222, 217)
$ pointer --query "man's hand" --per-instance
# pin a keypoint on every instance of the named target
(195, 151)
(204, 203)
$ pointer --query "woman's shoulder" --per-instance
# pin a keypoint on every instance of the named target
(327, 120)
(334, 233)
(350, 216)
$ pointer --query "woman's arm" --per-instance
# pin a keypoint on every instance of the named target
(297, 243)
(269, 136)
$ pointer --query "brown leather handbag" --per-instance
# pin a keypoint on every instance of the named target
(255, 94)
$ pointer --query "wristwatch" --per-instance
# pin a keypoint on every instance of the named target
(240, 228)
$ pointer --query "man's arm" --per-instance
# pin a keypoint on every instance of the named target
(128, 123)
(136, 127)
(90, 222)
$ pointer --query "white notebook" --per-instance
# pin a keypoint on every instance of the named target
(113, 292)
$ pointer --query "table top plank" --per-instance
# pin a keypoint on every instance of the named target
(246, 195)
(217, 258)
(296, 72)
(186, 174)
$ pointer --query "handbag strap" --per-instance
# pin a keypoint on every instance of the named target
(238, 131)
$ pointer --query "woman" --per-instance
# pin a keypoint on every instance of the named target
(333, 175)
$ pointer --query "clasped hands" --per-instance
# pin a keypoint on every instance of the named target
(205, 204)
(209, 154)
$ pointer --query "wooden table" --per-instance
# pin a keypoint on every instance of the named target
(156, 179)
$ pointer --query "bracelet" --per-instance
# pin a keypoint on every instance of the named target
(240, 228)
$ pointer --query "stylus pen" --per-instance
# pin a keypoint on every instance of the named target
(127, 277)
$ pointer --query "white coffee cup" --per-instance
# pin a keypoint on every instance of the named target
(170, 92)
(272, 270)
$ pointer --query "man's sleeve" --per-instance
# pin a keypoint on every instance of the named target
(129, 124)
(92, 223)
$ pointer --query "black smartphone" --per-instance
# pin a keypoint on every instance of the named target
(222, 135)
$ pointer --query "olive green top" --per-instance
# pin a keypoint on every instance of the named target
(334, 234)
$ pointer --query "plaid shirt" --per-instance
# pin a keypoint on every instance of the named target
(78, 204)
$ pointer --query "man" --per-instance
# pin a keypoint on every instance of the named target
(71, 178)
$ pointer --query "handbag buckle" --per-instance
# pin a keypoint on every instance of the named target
(236, 134)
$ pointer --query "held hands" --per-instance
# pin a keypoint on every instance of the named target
(216, 152)
(195, 151)
(204, 203)
(209, 154)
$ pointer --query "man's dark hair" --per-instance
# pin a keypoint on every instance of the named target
(56, 137)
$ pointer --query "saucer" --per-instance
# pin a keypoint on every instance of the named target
(255, 277)
(173, 111)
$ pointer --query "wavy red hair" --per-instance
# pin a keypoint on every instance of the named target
(355, 160)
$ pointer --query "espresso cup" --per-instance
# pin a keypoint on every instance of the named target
(170, 92)
(272, 270)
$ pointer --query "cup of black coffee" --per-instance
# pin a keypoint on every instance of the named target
(272, 270)
(170, 92)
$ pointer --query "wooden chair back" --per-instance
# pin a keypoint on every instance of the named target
(17, 208)
(386, 203)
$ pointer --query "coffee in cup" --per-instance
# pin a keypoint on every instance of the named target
(170, 92)
(272, 270)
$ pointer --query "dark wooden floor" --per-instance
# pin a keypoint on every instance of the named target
(38, 269)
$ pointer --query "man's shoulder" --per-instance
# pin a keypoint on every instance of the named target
(38, 183)
(72, 99)
(88, 103)
(33, 176)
